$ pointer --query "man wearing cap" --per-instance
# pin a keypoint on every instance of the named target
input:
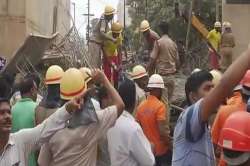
(99, 35)
(77, 144)
(225, 111)
(214, 38)
(16, 147)
(151, 115)
(165, 60)
(226, 46)
(149, 36)
(111, 53)
(235, 139)
(52, 101)
(140, 76)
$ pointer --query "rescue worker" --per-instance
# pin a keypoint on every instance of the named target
(52, 101)
(15, 147)
(82, 140)
(225, 111)
(111, 53)
(165, 60)
(226, 46)
(140, 76)
(235, 139)
(127, 143)
(152, 116)
(99, 35)
(149, 37)
(192, 142)
(214, 38)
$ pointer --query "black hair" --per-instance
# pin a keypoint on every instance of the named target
(231, 153)
(6, 82)
(163, 27)
(35, 78)
(52, 99)
(127, 92)
(194, 82)
(26, 85)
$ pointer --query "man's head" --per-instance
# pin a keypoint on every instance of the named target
(156, 85)
(116, 29)
(28, 87)
(127, 92)
(140, 76)
(163, 26)
(145, 28)
(109, 13)
(5, 117)
(235, 139)
(217, 26)
(198, 85)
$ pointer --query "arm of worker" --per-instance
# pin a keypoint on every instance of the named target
(153, 57)
(32, 138)
(45, 155)
(115, 98)
(102, 30)
(229, 80)
(141, 149)
(163, 124)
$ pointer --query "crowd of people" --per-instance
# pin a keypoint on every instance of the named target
(88, 117)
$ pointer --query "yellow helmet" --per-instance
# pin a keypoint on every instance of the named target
(72, 84)
(116, 27)
(217, 75)
(217, 24)
(86, 72)
(53, 75)
(144, 26)
(138, 72)
(109, 10)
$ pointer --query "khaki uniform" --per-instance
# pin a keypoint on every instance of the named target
(167, 58)
(150, 40)
(96, 42)
(226, 50)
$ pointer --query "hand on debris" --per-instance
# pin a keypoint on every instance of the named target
(76, 103)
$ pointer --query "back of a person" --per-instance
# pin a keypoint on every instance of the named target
(23, 114)
(42, 113)
(166, 62)
(150, 40)
(188, 152)
(122, 132)
(227, 40)
(146, 115)
(214, 38)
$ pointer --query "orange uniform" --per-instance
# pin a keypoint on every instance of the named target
(148, 114)
(236, 104)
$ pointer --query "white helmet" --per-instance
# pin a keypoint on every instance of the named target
(217, 24)
(156, 81)
(195, 70)
(138, 72)
(217, 75)
(227, 24)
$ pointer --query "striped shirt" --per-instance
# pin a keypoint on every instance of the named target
(20, 144)
(192, 140)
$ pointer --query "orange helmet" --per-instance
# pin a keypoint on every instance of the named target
(246, 79)
(235, 134)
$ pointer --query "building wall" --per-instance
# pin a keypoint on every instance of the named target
(19, 18)
(238, 15)
(12, 26)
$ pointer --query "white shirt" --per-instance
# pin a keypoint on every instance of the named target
(21, 143)
(128, 146)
